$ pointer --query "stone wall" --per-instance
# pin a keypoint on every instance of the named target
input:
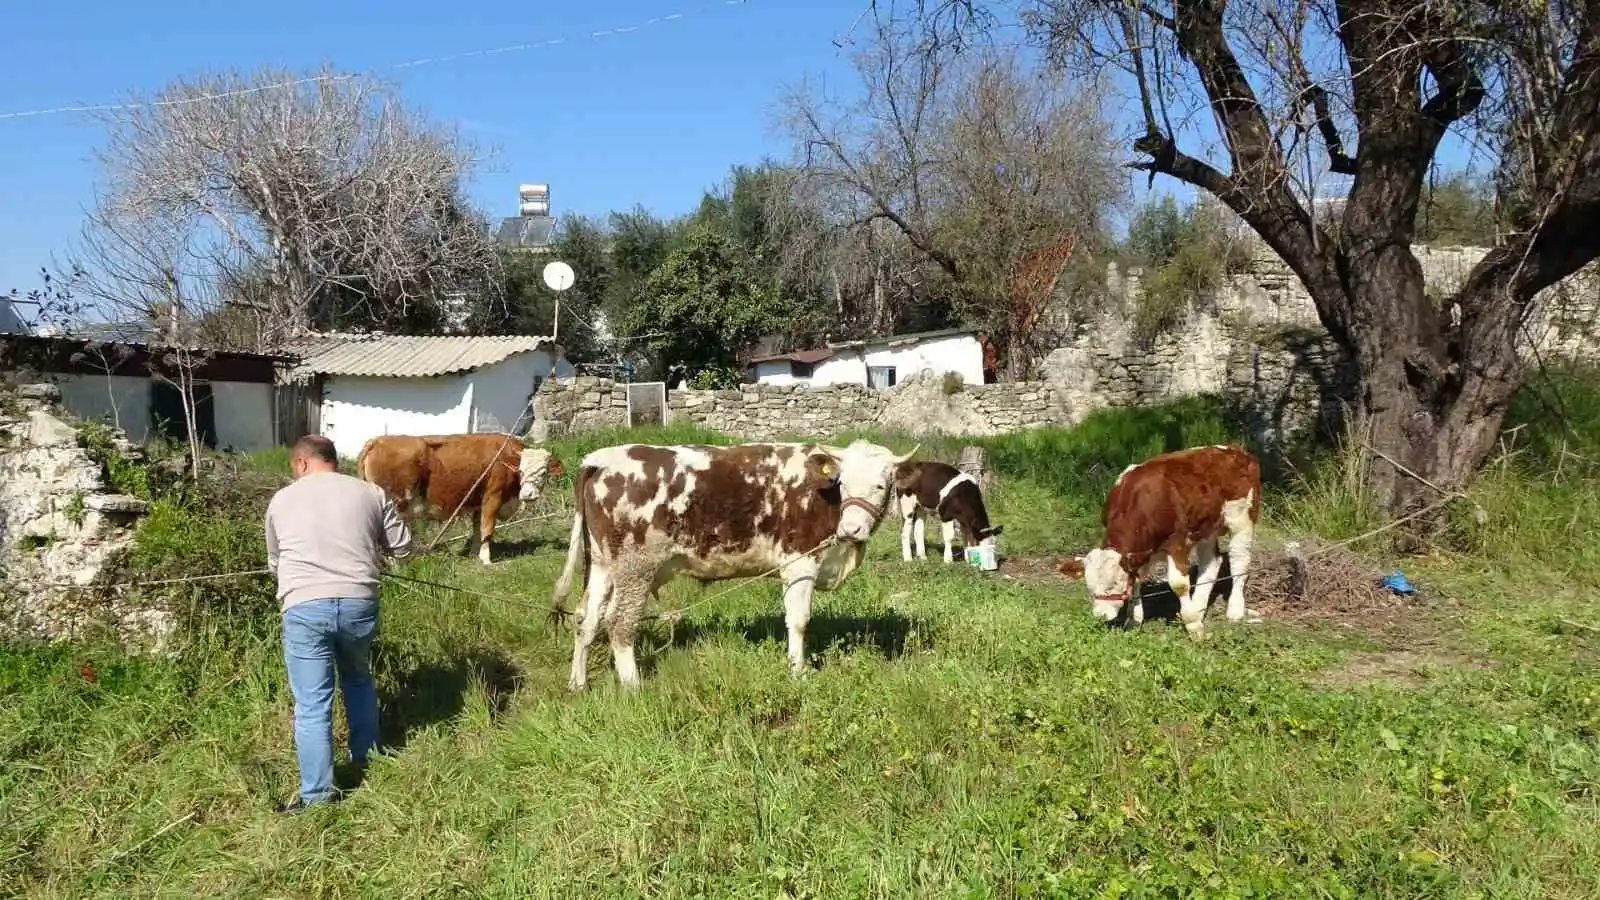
(581, 404)
(61, 530)
(920, 404)
(1257, 341)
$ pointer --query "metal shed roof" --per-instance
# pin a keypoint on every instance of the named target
(405, 356)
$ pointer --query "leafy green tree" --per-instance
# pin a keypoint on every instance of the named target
(1376, 87)
(530, 306)
(755, 212)
(638, 243)
(1458, 210)
(1186, 253)
(745, 211)
(703, 305)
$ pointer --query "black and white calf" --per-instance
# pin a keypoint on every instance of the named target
(947, 492)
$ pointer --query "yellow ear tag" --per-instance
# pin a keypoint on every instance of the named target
(827, 470)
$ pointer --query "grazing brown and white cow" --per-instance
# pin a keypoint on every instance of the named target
(947, 492)
(646, 513)
(1174, 504)
(487, 475)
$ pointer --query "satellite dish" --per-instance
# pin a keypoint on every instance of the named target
(558, 276)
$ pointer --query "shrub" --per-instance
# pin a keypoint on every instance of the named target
(717, 377)
(1187, 255)
(201, 527)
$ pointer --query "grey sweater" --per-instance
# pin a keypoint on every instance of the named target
(326, 533)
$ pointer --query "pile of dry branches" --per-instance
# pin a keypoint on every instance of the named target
(1321, 578)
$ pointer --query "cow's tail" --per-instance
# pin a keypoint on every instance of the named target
(361, 459)
(577, 547)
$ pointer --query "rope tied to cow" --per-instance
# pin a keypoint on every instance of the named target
(152, 582)
(493, 460)
(1304, 556)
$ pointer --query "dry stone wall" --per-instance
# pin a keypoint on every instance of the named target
(769, 412)
(62, 530)
(1257, 341)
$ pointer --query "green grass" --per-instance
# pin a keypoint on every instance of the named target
(962, 735)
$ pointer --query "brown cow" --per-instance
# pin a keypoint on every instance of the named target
(432, 475)
(948, 493)
(646, 513)
(1170, 505)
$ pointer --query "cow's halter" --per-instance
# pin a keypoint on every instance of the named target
(872, 509)
(1120, 597)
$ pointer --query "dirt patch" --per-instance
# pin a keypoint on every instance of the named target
(1329, 588)
(1407, 668)
(1032, 570)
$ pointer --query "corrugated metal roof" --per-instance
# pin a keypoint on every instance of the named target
(404, 356)
(84, 341)
(809, 357)
(895, 340)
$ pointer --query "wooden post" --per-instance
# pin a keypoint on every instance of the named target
(974, 462)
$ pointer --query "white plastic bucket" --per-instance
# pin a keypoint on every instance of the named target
(983, 557)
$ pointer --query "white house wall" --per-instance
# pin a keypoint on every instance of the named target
(501, 391)
(844, 367)
(777, 371)
(960, 353)
(357, 408)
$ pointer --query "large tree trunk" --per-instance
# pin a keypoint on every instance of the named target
(1429, 412)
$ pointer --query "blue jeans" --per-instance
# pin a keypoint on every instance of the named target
(321, 637)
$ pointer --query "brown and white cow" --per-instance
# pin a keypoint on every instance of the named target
(646, 513)
(487, 474)
(1174, 504)
(947, 492)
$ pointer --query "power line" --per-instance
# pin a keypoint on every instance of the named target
(409, 64)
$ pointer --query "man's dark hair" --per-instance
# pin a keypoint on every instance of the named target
(317, 447)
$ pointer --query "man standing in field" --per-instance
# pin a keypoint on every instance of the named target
(326, 536)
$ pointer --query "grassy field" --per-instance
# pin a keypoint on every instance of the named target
(963, 734)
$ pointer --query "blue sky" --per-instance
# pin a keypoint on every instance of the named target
(653, 115)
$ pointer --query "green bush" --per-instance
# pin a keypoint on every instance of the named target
(196, 529)
(717, 378)
(122, 475)
(1187, 255)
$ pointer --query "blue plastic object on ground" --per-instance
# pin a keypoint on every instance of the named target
(1398, 583)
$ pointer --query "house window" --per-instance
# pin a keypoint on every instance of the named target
(800, 369)
(880, 377)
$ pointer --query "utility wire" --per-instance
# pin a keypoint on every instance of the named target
(409, 64)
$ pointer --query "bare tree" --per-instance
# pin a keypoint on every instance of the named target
(1358, 96)
(144, 285)
(976, 162)
(316, 201)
